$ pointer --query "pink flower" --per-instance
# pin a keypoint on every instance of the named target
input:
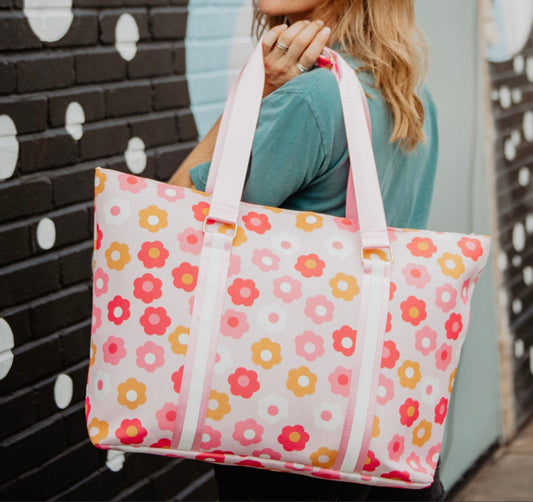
(155, 321)
(385, 390)
(130, 183)
(166, 417)
(344, 340)
(234, 324)
(100, 282)
(162, 443)
(147, 288)
(191, 241)
(390, 355)
(414, 463)
(170, 192)
(243, 292)
(339, 381)
(319, 309)
(347, 224)
(471, 247)
(399, 475)
(464, 291)
(243, 382)
(210, 438)
(113, 350)
(396, 447)
(118, 310)
(454, 326)
(265, 259)
(416, 275)
(96, 319)
(150, 356)
(426, 340)
(177, 378)
(441, 411)
(248, 432)
(309, 345)
(287, 289)
(234, 265)
(443, 357)
(267, 453)
(433, 456)
(446, 297)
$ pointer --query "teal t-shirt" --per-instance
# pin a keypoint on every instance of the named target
(300, 158)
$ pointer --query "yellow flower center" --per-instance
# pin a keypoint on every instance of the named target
(294, 437)
(410, 411)
(414, 312)
(423, 246)
(187, 278)
(153, 253)
(131, 431)
(310, 263)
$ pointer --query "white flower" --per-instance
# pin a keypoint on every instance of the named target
(429, 390)
(102, 385)
(328, 416)
(340, 245)
(285, 243)
(223, 359)
(117, 211)
(271, 318)
(273, 408)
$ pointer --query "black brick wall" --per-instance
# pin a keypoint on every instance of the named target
(45, 294)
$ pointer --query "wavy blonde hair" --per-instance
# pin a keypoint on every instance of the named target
(384, 36)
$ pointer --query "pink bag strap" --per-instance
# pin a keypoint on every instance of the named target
(234, 144)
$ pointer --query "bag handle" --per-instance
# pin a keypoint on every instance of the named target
(235, 138)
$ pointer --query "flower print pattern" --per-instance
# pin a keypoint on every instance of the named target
(200, 211)
(422, 433)
(399, 475)
(309, 345)
(344, 340)
(413, 310)
(155, 321)
(218, 405)
(266, 353)
(319, 309)
(153, 218)
(99, 235)
(117, 211)
(210, 438)
(177, 378)
(247, 432)
(339, 246)
(166, 416)
(243, 292)
(416, 275)
(451, 265)
(179, 340)
(117, 256)
(409, 412)
(443, 357)
(185, 276)
(267, 453)
(471, 247)
(328, 416)
(441, 411)
(150, 356)
(256, 222)
(371, 462)
(96, 319)
(339, 381)
(243, 382)
(118, 310)
(422, 247)
(287, 289)
(310, 265)
(153, 254)
(100, 282)
(234, 324)
(286, 244)
(271, 318)
(344, 286)
(409, 373)
(323, 457)
(301, 381)
(273, 408)
(99, 181)
(425, 340)
(390, 354)
(433, 456)
(102, 385)
(147, 288)
(308, 221)
(131, 432)
(98, 430)
(223, 360)
(429, 390)
(170, 193)
(446, 297)
(347, 224)
(113, 350)
(396, 447)
(131, 393)
(293, 438)
(454, 326)
(190, 241)
(239, 236)
(265, 260)
(129, 183)
(413, 461)
(385, 390)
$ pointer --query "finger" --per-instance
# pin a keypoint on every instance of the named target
(287, 37)
(310, 55)
(303, 39)
(270, 39)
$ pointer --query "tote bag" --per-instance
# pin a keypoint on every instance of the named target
(247, 335)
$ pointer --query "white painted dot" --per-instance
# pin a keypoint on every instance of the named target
(266, 355)
(153, 219)
(517, 260)
(519, 237)
(529, 223)
(529, 68)
(9, 147)
(303, 381)
(126, 36)
(502, 260)
(183, 339)
(49, 20)
(516, 95)
(46, 233)
(285, 287)
(518, 63)
(382, 391)
(135, 155)
(505, 97)
(321, 310)
(527, 125)
(527, 274)
(524, 175)
(249, 434)
(74, 120)
(115, 460)
(7, 342)
(149, 358)
(509, 149)
(131, 395)
(409, 372)
(347, 343)
(516, 306)
(205, 437)
(63, 389)
(519, 348)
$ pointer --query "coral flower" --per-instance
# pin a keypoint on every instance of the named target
(344, 286)
(451, 265)
(344, 340)
(155, 320)
(256, 222)
(390, 355)
(243, 292)
(323, 457)
(454, 326)
(346, 224)
(399, 475)
(266, 353)
(218, 405)
(409, 412)
(293, 438)
(422, 433)
(131, 432)
(441, 410)
(117, 255)
(185, 276)
(413, 310)
(471, 248)
(247, 432)
(308, 221)
(210, 438)
(200, 211)
(443, 357)
(422, 246)
(147, 288)
(177, 378)
(153, 218)
(243, 382)
(118, 310)
(153, 254)
(310, 265)
(301, 381)
(129, 183)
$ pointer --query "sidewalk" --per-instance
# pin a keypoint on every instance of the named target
(507, 475)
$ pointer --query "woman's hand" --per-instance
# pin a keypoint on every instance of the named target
(289, 51)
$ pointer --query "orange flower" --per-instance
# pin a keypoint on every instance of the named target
(131, 393)
(409, 373)
(451, 264)
(308, 221)
(452, 380)
(153, 218)
(323, 457)
(344, 286)
(117, 255)
(240, 236)
(422, 433)
(375, 429)
(301, 381)
(92, 358)
(99, 181)
(179, 340)
(371, 253)
(266, 353)
(218, 405)
(98, 430)
(276, 210)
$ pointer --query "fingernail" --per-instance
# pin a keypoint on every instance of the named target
(320, 22)
(326, 31)
(307, 21)
(284, 26)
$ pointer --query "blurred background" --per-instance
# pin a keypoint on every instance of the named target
(132, 85)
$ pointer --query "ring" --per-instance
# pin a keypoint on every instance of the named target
(301, 67)
(281, 46)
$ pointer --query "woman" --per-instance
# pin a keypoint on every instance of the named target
(300, 158)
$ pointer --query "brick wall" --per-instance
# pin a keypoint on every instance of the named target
(102, 84)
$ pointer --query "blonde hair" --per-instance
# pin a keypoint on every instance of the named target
(384, 36)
